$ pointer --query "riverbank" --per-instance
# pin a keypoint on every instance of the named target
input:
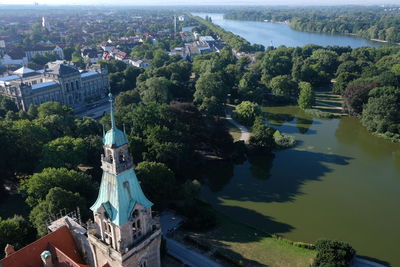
(247, 246)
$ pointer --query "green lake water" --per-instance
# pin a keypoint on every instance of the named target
(339, 182)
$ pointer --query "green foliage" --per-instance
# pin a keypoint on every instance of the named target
(64, 152)
(382, 112)
(157, 181)
(282, 85)
(155, 89)
(211, 93)
(57, 200)
(39, 184)
(6, 105)
(333, 253)
(15, 231)
(306, 96)
(283, 140)
(159, 58)
(262, 135)
(246, 112)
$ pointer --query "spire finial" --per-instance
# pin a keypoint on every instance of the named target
(112, 111)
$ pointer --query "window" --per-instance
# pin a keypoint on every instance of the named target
(121, 157)
(108, 237)
(135, 213)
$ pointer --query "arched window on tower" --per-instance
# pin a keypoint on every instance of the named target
(110, 157)
(121, 157)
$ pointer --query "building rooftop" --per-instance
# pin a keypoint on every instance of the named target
(25, 72)
(59, 243)
(10, 78)
(88, 74)
(42, 85)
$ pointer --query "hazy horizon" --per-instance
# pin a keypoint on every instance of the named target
(203, 3)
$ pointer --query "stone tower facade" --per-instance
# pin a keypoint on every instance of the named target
(126, 233)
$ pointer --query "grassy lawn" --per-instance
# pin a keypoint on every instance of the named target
(234, 131)
(334, 102)
(251, 247)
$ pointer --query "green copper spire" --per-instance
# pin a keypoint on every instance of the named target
(112, 111)
(114, 137)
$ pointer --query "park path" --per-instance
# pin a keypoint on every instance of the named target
(170, 222)
(245, 133)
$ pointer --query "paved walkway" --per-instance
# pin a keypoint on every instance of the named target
(170, 222)
(245, 133)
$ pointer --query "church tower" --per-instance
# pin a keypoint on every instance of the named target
(125, 234)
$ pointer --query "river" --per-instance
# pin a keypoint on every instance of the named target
(340, 182)
(276, 34)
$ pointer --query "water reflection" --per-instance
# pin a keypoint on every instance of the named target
(285, 117)
(304, 124)
(218, 174)
(352, 133)
(261, 164)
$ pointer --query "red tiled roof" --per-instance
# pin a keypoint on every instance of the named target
(60, 243)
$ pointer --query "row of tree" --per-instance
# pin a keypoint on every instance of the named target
(368, 22)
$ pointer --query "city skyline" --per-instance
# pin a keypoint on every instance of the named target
(203, 3)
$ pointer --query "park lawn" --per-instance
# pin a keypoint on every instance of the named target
(253, 247)
(329, 98)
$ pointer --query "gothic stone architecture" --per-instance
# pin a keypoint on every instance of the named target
(58, 82)
(126, 234)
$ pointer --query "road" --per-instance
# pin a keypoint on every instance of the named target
(169, 222)
(96, 112)
(245, 133)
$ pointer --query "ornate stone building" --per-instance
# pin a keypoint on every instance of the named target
(59, 81)
(126, 234)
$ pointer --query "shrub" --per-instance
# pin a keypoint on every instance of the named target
(283, 140)
(333, 253)
(320, 114)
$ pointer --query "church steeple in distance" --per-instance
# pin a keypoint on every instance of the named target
(122, 213)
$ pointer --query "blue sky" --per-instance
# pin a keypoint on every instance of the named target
(203, 2)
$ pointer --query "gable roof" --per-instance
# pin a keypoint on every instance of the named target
(59, 242)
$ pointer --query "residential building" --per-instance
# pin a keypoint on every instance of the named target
(16, 57)
(43, 49)
(91, 55)
(59, 81)
(140, 63)
(188, 29)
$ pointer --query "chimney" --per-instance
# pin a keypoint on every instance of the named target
(9, 249)
(46, 258)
